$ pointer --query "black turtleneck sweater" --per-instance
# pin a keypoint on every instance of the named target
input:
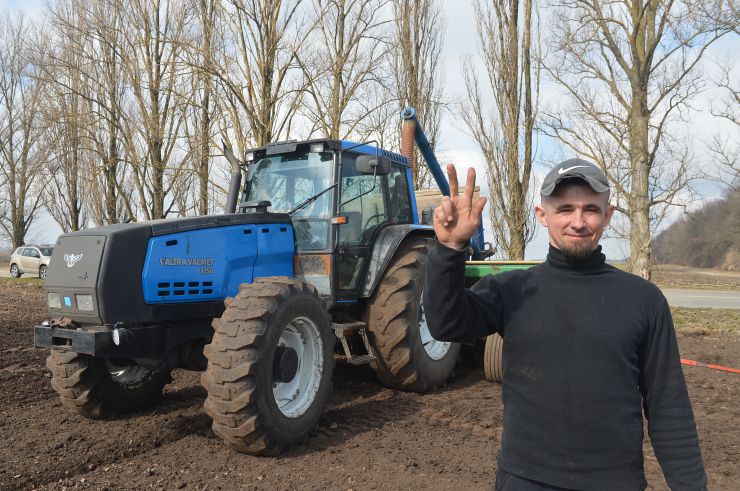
(586, 348)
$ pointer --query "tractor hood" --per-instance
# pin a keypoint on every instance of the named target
(165, 270)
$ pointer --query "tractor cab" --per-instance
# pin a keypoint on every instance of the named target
(340, 195)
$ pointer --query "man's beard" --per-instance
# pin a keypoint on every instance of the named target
(578, 251)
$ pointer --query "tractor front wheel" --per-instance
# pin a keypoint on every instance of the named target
(95, 387)
(270, 365)
(409, 358)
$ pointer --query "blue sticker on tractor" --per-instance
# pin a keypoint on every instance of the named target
(68, 301)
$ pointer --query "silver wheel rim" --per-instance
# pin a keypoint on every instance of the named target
(13, 270)
(127, 375)
(295, 397)
(43, 273)
(436, 350)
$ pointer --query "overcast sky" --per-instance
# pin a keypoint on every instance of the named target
(458, 147)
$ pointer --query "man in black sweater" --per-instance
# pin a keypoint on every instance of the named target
(587, 346)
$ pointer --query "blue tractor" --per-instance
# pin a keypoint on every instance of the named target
(321, 258)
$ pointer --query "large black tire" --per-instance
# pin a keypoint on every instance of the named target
(493, 358)
(96, 387)
(240, 377)
(15, 272)
(394, 320)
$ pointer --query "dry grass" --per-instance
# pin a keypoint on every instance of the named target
(674, 276)
(702, 322)
(26, 280)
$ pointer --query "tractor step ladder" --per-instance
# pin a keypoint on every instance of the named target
(347, 329)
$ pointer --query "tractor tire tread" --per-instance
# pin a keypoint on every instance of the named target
(233, 357)
(492, 358)
(389, 319)
(72, 381)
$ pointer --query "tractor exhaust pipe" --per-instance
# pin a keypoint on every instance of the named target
(236, 179)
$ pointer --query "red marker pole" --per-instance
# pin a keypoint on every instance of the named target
(695, 363)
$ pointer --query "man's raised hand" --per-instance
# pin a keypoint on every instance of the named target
(457, 219)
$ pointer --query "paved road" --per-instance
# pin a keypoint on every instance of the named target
(703, 298)
(714, 299)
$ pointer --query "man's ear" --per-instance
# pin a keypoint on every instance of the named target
(541, 215)
(609, 212)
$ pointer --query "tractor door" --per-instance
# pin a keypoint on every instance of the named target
(368, 202)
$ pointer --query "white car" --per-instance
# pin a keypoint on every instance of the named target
(30, 259)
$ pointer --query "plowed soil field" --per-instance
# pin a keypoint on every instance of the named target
(370, 437)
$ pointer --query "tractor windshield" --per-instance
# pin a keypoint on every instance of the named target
(288, 180)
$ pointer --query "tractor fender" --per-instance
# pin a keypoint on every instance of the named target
(386, 244)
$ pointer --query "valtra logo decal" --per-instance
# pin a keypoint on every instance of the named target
(72, 259)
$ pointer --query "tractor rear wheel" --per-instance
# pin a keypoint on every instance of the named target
(493, 361)
(95, 387)
(270, 365)
(408, 357)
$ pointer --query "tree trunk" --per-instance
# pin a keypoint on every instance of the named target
(205, 150)
(639, 198)
(205, 118)
(111, 166)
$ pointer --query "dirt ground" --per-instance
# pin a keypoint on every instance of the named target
(370, 437)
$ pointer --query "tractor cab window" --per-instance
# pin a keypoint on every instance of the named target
(398, 189)
(362, 201)
(287, 181)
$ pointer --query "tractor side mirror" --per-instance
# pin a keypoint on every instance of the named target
(369, 164)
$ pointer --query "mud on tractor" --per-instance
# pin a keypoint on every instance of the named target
(323, 257)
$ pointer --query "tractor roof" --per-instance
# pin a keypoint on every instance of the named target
(336, 145)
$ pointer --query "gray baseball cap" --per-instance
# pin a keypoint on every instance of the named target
(578, 169)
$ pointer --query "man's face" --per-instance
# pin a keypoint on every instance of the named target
(575, 216)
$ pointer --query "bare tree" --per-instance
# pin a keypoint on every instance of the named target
(419, 32)
(726, 148)
(104, 92)
(207, 17)
(504, 132)
(23, 148)
(89, 36)
(348, 61)
(629, 69)
(255, 69)
(65, 117)
(150, 52)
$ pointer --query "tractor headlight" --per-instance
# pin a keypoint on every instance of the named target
(84, 302)
(54, 300)
(317, 147)
(249, 157)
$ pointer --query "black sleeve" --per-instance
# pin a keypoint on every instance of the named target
(452, 312)
(667, 406)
